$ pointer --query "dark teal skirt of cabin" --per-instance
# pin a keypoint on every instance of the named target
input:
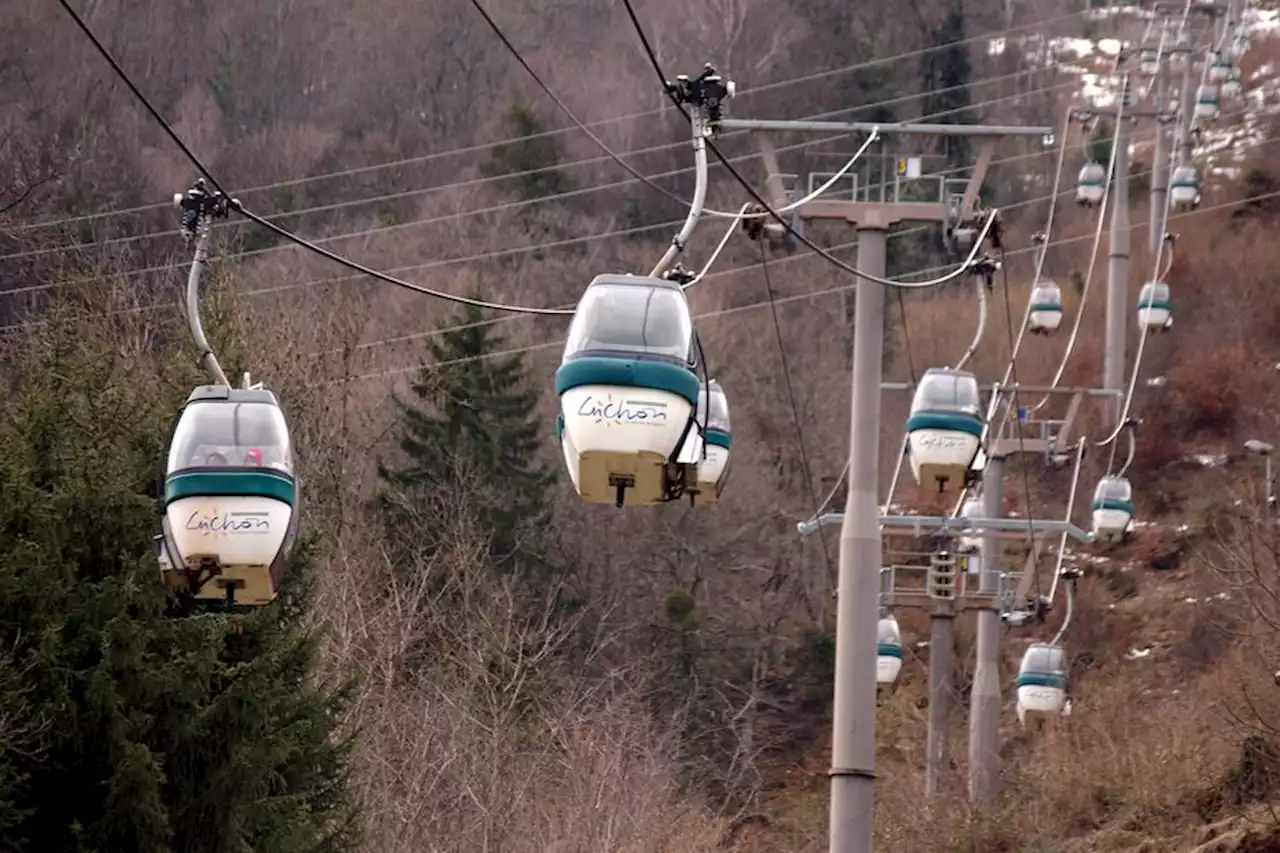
(628, 373)
(1041, 679)
(1112, 503)
(888, 650)
(949, 421)
(231, 483)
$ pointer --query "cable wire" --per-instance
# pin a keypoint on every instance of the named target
(271, 226)
(786, 300)
(385, 229)
(514, 205)
(1013, 404)
(471, 149)
(746, 185)
(795, 410)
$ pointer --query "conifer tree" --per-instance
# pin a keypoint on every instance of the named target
(148, 730)
(472, 429)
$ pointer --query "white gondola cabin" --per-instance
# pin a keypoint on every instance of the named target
(971, 541)
(1241, 42)
(1149, 62)
(1044, 314)
(1207, 104)
(231, 497)
(1091, 185)
(1155, 307)
(713, 419)
(1219, 68)
(1184, 188)
(944, 428)
(888, 650)
(1112, 509)
(1231, 86)
(1041, 684)
(628, 387)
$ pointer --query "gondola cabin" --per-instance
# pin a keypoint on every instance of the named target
(1219, 68)
(1241, 42)
(1044, 314)
(230, 497)
(628, 387)
(1091, 185)
(971, 541)
(1149, 62)
(1112, 509)
(1184, 188)
(944, 428)
(1231, 86)
(1155, 307)
(1206, 108)
(888, 650)
(713, 418)
(1041, 684)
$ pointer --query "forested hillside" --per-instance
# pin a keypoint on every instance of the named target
(465, 656)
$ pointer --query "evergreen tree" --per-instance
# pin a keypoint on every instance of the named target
(472, 428)
(539, 155)
(151, 732)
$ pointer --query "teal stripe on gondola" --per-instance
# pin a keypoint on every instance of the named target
(232, 483)
(951, 421)
(628, 373)
(1046, 307)
(1157, 305)
(1112, 503)
(718, 438)
(888, 650)
(1041, 679)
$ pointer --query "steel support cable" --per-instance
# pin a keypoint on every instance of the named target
(732, 271)
(1133, 449)
(1142, 344)
(485, 256)
(449, 217)
(235, 205)
(1071, 503)
(603, 146)
(1013, 405)
(1041, 253)
(1093, 263)
(1071, 608)
(786, 300)
(497, 208)
(746, 185)
(742, 212)
(981, 328)
(487, 146)
(475, 182)
(795, 409)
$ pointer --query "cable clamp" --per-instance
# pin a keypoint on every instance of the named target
(856, 772)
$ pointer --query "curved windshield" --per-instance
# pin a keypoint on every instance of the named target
(947, 391)
(719, 417)
(1113, 488)
(887, 632)
(217, 434)
(1046, 291)
(1207, 95)
(633, 319)
(1184, 175)
(1154, 291)
(1045, 659)
(1092, 173)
